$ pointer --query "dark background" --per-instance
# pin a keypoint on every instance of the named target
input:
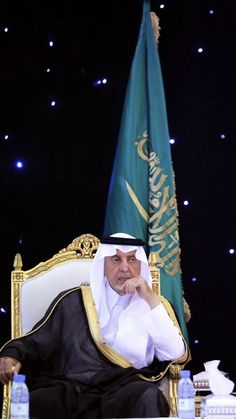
(68, 149)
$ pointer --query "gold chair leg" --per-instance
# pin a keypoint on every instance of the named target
(6, 401)
(173, 398)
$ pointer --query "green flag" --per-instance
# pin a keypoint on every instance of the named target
(141, 198)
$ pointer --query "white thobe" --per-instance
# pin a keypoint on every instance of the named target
(138, 332)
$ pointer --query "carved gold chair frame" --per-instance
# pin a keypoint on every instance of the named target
(82, 247)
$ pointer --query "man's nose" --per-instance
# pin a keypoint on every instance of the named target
(124, 266)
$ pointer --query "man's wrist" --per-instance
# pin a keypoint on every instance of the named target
(152, 300)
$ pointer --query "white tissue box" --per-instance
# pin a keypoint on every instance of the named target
(216, 407)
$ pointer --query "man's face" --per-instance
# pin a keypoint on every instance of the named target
(120, 267)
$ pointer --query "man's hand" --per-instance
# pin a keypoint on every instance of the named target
(139, 285)
(8, 366)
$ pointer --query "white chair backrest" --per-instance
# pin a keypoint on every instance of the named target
(38, 292)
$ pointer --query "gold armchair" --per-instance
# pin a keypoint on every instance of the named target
(68, 268)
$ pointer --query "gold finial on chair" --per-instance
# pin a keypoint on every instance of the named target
(18, 264)
(155, 272)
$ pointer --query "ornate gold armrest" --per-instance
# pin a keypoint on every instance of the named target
(6, 401)
(174, 376)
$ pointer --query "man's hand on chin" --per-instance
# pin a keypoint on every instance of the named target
(139, 285)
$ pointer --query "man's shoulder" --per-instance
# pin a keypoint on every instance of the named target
(63, 303)
(66, 298)
(69, 294)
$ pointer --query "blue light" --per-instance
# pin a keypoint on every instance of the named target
(20, 241)
(19, 164)
(6, 29)
(172, 140)
(53, 103)
(231, 251)
(99, 82)
(186, 202)
(211, 12)
(6, 137)
(222, 136)
(162, 6)
(2, 310)
(200, 50)
(196, 341)
(51, 43)
(194, 279)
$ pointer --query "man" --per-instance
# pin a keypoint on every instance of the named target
(101, 350)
